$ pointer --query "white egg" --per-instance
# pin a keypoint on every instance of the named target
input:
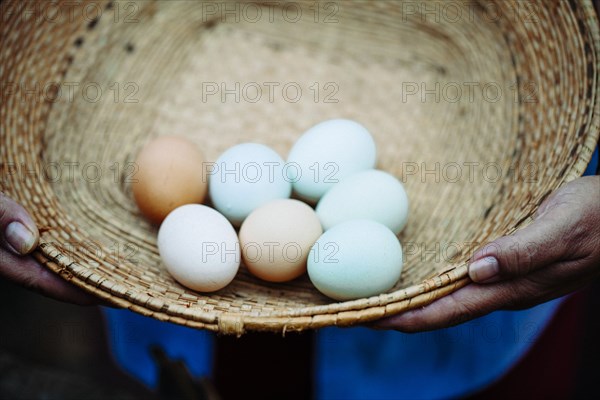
(326, 153)
(199, 247)
(355, 259)
(370, 194)
(245, 177)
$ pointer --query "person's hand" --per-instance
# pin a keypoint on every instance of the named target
(18, 237)
(557, 253)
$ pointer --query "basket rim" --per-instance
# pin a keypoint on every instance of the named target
(347, 313)
(339, 314)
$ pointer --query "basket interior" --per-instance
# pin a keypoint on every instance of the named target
(475, 114)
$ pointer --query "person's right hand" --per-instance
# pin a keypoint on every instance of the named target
(559, 252)
(18, 237)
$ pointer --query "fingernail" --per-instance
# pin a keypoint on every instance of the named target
(484, 269)
(21, 239)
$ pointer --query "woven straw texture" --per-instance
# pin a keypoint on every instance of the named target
(481, 109)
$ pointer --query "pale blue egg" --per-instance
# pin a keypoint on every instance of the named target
(327, 153)
(371, 194)
(355, 259)
(245, 177)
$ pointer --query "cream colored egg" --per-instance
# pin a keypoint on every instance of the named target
(199, 247)
(276, 238)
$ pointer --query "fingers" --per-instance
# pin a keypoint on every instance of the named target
(476, 300)
(566, 227)
(543, 242)
(18, 237)
(470, 302)
(18, 232)
(25, 271)
(555, 255)
(467, 303)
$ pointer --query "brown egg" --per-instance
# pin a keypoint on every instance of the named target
(276, 239)
(169, 174)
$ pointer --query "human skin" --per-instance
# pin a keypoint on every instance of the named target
(19, 236)
(558, 253)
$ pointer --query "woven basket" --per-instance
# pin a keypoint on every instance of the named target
(481, 109)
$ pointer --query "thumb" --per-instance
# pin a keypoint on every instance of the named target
(541, 243)
(18, 232)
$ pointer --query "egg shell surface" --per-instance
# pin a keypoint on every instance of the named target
(277, 237)
(199, 247)
(371, 194)
(245, 177)
(168, 173)
(355, 259)
(327, 153)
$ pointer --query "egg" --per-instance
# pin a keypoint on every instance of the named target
(199, 247)
(276, 238)
(370, 194)
(169, 173)
(355, 259)
(327, 153)
(245, 177)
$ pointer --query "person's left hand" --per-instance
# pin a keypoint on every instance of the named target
(557, 253)
(19, 236)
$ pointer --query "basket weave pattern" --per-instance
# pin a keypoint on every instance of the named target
(93, 235)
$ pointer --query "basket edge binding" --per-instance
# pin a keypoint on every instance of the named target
(340, 314)
(238, 324)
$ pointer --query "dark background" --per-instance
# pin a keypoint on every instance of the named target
(53, 350)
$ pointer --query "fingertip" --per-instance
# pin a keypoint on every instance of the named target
(21, 239)
(18, 231)
(484, 270)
